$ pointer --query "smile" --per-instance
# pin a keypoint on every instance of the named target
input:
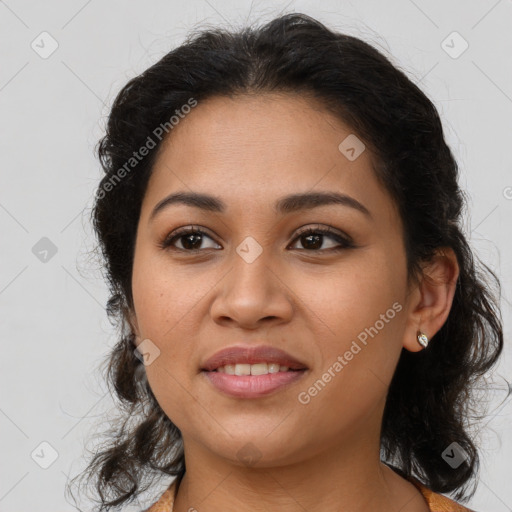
(252, 385)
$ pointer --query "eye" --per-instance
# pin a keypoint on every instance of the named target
(189, 237)
(313, 237)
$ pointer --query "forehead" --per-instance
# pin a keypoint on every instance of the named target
(252, 149)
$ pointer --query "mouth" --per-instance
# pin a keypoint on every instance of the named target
(263, 368)
(252, 360)
(252, 371)
(248, 385)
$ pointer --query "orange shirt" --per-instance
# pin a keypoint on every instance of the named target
(436, 502)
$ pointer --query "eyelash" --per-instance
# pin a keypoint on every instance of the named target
(345, 241)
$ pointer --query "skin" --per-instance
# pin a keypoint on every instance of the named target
(312, 302)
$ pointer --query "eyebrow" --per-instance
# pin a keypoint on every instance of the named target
(284, 205)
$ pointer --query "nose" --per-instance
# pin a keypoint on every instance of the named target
(252, 295)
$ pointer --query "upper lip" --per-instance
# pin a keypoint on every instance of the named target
(240, 354)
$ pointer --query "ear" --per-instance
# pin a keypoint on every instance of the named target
(431, 298)
(131, 318)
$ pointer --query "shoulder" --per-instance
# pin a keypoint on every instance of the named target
(438, 502)
(166, 502)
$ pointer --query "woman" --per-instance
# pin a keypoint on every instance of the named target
(303, 321)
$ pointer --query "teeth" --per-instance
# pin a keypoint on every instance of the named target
(252, 369)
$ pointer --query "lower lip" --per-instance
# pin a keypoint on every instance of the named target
(252, 386)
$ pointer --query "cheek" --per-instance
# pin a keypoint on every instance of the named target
(358, 351)
(172, 308)
(167, 303)
(351, 299)
(163, 293)
(358, 314)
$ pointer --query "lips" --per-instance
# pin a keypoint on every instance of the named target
(240, 354)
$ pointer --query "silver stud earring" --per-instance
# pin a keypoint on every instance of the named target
(422, 339)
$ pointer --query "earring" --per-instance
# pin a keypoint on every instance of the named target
(422, 339)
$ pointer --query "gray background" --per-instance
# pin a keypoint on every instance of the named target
(55, 331)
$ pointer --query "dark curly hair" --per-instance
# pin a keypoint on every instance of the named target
(430, 400)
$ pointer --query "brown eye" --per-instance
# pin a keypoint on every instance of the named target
(312, 239)
(189, 238)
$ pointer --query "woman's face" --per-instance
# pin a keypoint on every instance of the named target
(253, 279)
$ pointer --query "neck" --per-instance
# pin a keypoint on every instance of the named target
(350, 475)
